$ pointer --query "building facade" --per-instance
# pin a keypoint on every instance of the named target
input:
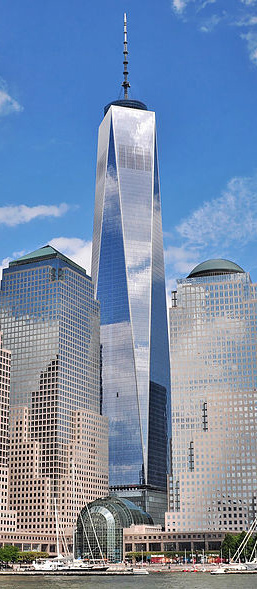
(146, 538)
(7, 517)
(58, 438)
(213, 344)
(128, 273)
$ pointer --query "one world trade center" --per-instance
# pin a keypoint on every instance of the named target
(128, 273)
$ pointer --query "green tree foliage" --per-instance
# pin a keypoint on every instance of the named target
(9, 554)
(232, 542)
(30, 556)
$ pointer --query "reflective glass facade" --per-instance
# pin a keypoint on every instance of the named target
(128, 271)
(49, 318)
(213, 345)
(51, 322)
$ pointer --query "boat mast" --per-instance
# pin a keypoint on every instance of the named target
(57, 528)
(74, 510)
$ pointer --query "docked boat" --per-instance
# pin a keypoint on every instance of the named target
(140, 572)
(251, 565)
(235, 566)
(229, 568)
(62, 564)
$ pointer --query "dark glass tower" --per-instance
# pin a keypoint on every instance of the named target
(128, 273)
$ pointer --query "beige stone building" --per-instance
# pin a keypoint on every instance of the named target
(7, 517)
(58, 437)
(213, 347)
(153, 539)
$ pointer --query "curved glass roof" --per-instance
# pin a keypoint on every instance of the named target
(122, 509)
(215, 267)
(100, 527)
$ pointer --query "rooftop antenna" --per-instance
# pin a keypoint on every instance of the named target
(125, 83)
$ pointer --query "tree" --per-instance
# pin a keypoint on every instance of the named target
(29, 556)
(232, 542)
(9, 554)
(229, 545)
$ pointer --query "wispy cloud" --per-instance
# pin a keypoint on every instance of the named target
(16, 215)
(179, 5)
(76, 249)
(8, 104)
(208, 14)
(231, 217)
(4, 264)
(251, 39)
(249, 2)
(210, 23)
(182, 258)
(224, 227)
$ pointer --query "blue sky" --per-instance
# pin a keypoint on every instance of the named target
(192, 61)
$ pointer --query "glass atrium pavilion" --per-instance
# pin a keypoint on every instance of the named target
(100, 527)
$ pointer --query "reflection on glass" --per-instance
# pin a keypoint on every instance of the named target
(128, 271)
(213, 328)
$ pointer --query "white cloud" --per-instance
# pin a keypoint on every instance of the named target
(182, 258)
(208, 14)
(8, 104)
(209, 24)
(4, 264)
(224, 227)
(249, 2)
(251, 39)
(15, 215)
(228, 218)
(179, 261)
(76, 249)
(179, 5)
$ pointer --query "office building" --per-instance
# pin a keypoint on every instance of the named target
(128, 273)
(7, 517)
(153, 539)
(213, 344)
(58, 438)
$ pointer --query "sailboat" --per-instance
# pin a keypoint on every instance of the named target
(61, 563)
(235, 565)
(69, 562)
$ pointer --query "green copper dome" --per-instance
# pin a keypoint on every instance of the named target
(215, 267)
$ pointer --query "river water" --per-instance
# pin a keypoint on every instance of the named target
(152, 581)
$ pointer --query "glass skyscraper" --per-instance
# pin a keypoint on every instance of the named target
(59, 440)
(213, 345)
(128, 273)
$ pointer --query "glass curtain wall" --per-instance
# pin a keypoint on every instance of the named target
(128, 271)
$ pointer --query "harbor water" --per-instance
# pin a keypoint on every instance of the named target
(152, 581)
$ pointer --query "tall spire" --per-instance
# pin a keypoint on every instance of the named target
(125, 83)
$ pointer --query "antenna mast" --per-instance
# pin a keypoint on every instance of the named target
(125, 83)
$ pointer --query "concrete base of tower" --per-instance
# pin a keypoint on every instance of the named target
(150, 499)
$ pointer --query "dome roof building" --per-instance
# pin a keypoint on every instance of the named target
(100, 527)
(215, 267)
(213, 350)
